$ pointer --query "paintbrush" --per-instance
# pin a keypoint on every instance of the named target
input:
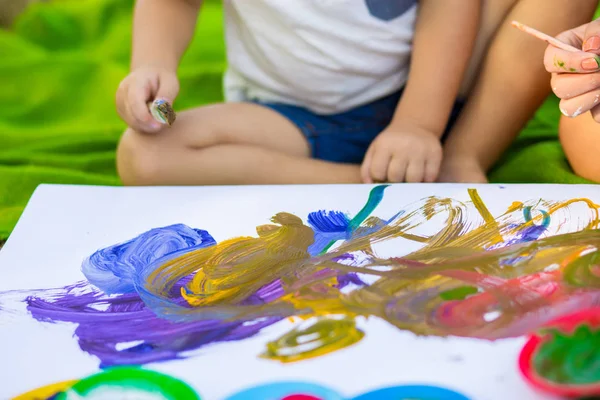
(162, 111)
(547, 38)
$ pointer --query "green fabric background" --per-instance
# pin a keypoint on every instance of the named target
(59, 69)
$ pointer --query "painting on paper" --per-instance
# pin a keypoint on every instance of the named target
(422, 278)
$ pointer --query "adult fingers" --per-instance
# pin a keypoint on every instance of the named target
(561, 61)
(580, 104)
(397, 169)
(596, 113)
(573, 37)
(379, 165)
(567, 86)
(591, 37)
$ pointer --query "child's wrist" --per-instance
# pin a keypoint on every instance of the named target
(166, 64)
(400, 121)
(426, 110)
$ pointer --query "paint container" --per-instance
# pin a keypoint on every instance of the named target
(562, 358)
(120, 383)
(412, 392)
(162, 111)
(290, 390)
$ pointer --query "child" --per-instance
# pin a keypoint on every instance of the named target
(577, 83)
(319, 91)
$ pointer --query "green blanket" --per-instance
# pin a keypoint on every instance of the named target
(59, 70)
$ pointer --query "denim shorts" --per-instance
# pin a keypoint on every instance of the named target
(345, 137)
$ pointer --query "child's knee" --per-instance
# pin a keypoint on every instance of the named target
(138, 159)
(580, 139)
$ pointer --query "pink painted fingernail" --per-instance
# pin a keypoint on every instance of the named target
(590, 64)
(592, 43)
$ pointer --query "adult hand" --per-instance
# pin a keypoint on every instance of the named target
(576, 75)
(141, 86)
(403, 152)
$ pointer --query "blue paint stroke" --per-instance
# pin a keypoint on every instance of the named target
(113, 269)
(332, 226)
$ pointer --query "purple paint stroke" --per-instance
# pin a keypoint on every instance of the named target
(523, 234)
(266, 294)
(107, 324)
(110, 319)
(349, 278)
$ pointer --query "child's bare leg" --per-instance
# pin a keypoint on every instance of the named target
(237, 143)
(580, 138)
(510, 85)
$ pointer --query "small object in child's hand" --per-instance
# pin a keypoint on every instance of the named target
(162, 111)
(553, 41)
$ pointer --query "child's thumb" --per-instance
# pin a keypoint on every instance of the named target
(168, 88)
(591, 39)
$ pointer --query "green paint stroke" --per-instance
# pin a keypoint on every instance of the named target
(572, 359)
(375, 197)
(129, 383)
(318, 336)
(459, 293)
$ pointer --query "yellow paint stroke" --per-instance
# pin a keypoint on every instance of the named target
(485, 214)
(521, 282)
(314, 338)
(47, 391)
(238, 267)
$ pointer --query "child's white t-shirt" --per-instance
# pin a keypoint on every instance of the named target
(326, 55)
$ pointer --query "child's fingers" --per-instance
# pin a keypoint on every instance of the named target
(562, 61)
(567, 86)
(415, 170)
(365, 168)
(580, 104)
(397, 169)
(129, 119)
(432, 166)
(139, 94)
(121, 102)
(168, 88)
(379, 165)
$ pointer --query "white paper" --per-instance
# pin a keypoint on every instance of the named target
(64, 224)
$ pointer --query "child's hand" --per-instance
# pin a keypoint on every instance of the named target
(140, 87)
(403, 152)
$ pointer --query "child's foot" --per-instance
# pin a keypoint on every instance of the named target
(461, 169)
